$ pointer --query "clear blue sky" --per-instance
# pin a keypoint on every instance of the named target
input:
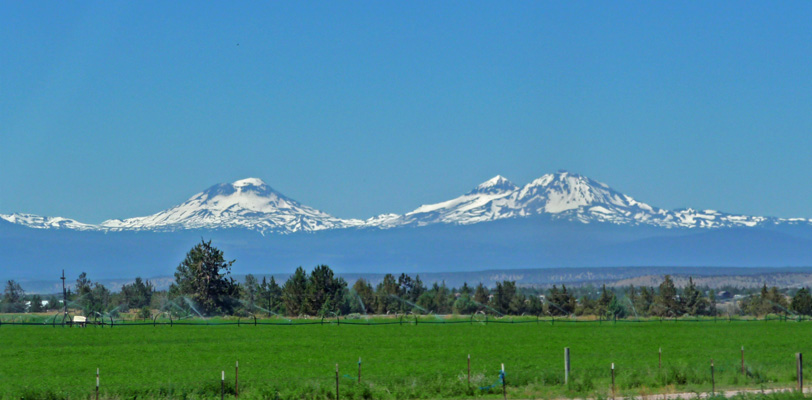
(121, 109)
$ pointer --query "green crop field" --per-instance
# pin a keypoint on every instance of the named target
(398, 361)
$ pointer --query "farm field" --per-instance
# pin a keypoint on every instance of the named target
(397, 361)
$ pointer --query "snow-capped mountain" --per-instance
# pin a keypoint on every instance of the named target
(247, 203)
(564, 195)
(39, 222)
(253, 205)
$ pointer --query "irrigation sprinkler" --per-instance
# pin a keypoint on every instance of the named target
(336, 381)
(97, 384)
(64, 293)
(713, 381)
(359, 369)
(222, 385)
(237, 380)
(743, 361)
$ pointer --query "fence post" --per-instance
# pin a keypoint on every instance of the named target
(469, 370)
(566, 365)
(222, 385)
(504, 383)
(336, 381)
(613, 381)
(97, 384)
(237, 380)
(713, 380)
(800, 369)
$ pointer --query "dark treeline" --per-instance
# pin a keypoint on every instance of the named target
(203, 286)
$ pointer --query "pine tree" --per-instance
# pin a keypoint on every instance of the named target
(695, 303)
(365, 297)
(293, 293)
(386, 295)
(36, 304)
(13, 298)
(606, 297)
(442, 299)
(503, 295)
(481, 294)
(250, 292)
(666, 302)
(802, 302)
(270, 296)
(418, 288)
(324, 292)
(204, 277)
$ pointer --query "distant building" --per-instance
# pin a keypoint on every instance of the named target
(723, 295)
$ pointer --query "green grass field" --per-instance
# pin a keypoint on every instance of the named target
(398, 361)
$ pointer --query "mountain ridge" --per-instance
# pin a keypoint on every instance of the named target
(253, 205)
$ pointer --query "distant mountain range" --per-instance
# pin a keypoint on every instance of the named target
(558, 220)
(251, 204)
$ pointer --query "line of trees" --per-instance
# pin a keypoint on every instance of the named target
(203, 285)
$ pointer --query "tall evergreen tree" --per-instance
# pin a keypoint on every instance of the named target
(270, 296)
(693, 300)
(324, 292)
(442, 299)
(503, 295)
(250, 293)
(802, 302)
(13, 298)
(481, 294)
(418, 288)
(36, 304)
(386, 295)
(666, 302)
(203, 276)
(294, 293)
(137, 294)
(602, 306)
(365, 297)
(645, 300)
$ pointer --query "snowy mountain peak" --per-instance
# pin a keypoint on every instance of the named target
(40, 222)
(247, 203)
(248, 182)
(496, 184)
(251, 204)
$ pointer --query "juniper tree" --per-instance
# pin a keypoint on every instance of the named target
(250, 290)
(324, 293)
(13, 298)
(203, 276)
(802, 302)
(293, 293)
(481, 294)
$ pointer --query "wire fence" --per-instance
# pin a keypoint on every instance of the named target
(354, 379)
(410, 319)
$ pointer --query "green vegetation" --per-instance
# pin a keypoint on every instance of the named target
(398, 361)
(203, 287)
